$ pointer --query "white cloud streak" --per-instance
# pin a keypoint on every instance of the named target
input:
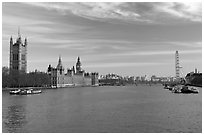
(145, 53)
(186, 10)
(125, 11)
(151, 53)
(121, 64)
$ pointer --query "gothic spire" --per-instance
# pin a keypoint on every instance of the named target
(60, 61)
(59, 65)
(25, 42)
(19, 34)
(11, 41)
(73, 69)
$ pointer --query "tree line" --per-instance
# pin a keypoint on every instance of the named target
(31, 79)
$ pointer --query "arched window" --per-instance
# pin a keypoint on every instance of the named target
(23, 57)
(15, 56)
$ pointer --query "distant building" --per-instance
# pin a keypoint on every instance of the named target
(18, 55)
(194, 78)
(117, 80)
(59, 78)
(161, 79)
(137, 78)
(143, 78)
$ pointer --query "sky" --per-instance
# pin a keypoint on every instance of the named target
(129, 39)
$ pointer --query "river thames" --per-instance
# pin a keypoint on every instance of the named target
(107, 109)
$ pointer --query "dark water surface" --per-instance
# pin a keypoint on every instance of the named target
(102, 109)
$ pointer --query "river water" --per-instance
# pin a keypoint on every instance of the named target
(112, 109)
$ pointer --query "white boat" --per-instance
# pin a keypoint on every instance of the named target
(17, 91)
(29, 91)
(36, 91)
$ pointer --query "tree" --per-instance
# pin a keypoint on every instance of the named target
(19, 79)
(5, 77)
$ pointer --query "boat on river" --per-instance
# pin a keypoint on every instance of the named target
(36, 91)
(177, 89)
(25, 91)
(169, 86)
(30, 91)
(16, 91)
(184, 89)
(189, 89)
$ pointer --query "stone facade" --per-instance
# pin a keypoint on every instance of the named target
(59, 78)
(18, 55)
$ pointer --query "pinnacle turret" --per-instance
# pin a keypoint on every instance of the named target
(59, 65)
(18, 40)
(11, 41)
(19, 34)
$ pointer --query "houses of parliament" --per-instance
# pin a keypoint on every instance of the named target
(72, 77)
(58, 77)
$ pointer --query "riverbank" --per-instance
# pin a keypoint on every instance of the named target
(8, 89)
(34, 88)
(75, 86)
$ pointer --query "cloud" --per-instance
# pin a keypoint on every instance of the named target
(151, 53)
(191, 11)
(115, 48)
(92, 10)
(186, 44)
(121, 64)
(9, 19)
(142, 54)
(131, 12)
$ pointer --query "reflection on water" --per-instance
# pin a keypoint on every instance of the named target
(13, 112)
(15, 118)
(129, 109)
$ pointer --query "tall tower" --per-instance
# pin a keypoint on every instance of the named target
(78, 65)
(18, 55)
(60, 68)
(177, 67)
